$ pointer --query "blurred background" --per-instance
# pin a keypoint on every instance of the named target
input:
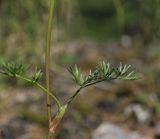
(84, 32)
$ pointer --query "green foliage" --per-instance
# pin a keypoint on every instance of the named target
(12, 70)
(27, 18)
(103, 72)
(37, 75)
(109, 19)
(76, 74)
(18, 70)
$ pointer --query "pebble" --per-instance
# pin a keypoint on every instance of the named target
(111, 131)
(142, 115)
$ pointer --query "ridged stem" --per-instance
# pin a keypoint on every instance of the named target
(47, 58)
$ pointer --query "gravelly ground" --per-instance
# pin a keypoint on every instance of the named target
(23, 113)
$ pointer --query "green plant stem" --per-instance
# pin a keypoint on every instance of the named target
(51, 95)
(120, 13)
(50, 135)
(82, 87)
(102, 80)
(74, 95)
(43, 89)
(47, 58)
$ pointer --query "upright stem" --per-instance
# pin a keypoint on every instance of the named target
(120, 14)
(47, 57)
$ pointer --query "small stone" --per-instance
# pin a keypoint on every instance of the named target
(111, 131)
(126, 41)
(21, 98)
(142, 115)
(157, 130)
